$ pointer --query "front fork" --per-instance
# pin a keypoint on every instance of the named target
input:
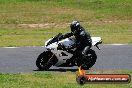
(52, 59)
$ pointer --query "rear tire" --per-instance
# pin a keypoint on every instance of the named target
(43, 62)
(89, 60)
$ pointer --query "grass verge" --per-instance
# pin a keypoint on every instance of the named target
(54, 80)
(110, 32)
(31, 22)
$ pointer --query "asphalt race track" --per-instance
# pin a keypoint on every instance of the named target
(22, 59)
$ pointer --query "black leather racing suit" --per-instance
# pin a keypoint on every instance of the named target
(83, 38)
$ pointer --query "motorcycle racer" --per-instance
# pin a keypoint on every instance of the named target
(71, 49)
(83, 38)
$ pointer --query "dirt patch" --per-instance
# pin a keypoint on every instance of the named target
(54, 25)
(66, 25)
(46, 25)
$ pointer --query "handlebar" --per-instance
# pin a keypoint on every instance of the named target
(54, 39)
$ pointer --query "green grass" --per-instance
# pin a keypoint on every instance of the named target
(53, 80)
(110, 19)
(40, 11)
(110, 33)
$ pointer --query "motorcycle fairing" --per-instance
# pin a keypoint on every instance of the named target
(68, 42)
(60, 53)
(95, 40)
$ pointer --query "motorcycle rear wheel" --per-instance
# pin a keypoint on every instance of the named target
(43, 62)
(89, 60)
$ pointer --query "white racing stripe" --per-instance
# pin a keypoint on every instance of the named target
(21, 47)
(11, 47)
(118, 44)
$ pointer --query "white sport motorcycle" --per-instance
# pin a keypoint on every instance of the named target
(57, 54)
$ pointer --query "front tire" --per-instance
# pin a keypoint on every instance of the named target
(43, 62)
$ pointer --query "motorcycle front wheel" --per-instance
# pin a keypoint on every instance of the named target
(45, 60)
(89, 60)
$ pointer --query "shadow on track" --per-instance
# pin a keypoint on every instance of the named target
(59, 70)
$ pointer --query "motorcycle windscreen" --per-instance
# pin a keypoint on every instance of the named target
(68, 42)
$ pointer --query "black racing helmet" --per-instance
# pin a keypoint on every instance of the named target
(75, 26)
